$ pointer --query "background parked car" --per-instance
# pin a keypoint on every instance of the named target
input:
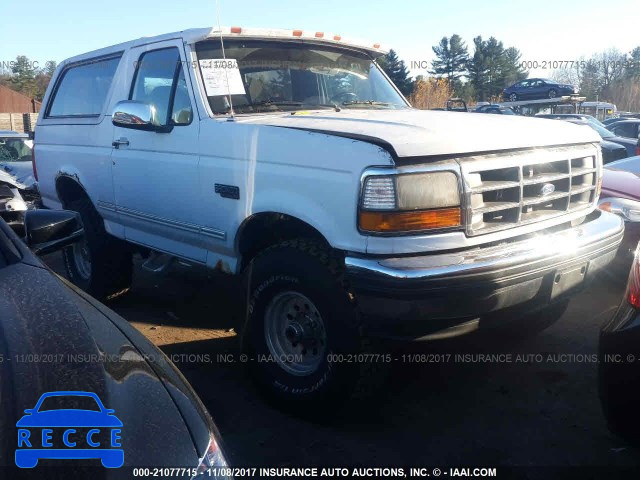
(611, 151)
(626, 128)
(609, 121)
(457, 105)
(43, 316)
(18, 188)
(537, 88)
(566, 116)
(15, 156)
(611, 143)
(495, 109)
(618, 367)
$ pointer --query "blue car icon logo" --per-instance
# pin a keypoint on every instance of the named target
(51, 430)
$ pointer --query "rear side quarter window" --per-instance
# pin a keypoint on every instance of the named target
(82, 88)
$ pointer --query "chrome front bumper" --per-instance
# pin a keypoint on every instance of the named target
(472, 283)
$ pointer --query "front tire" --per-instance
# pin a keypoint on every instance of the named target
(101, 264)
(513, 97)
(302, 329)
(553, 93)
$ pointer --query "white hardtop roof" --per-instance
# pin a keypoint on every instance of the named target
(197, 34)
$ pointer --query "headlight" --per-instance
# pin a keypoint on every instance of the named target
(627, 209)
(410, 202)
(213, 464)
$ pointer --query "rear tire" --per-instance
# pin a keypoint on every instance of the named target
(101, 265)
(553, 93)
(299, 306)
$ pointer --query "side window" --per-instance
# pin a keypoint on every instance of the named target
(160, 82)
(82, 89)
(624, 130)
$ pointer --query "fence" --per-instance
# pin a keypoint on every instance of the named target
(19, 122)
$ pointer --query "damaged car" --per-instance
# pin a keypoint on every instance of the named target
(18, 187)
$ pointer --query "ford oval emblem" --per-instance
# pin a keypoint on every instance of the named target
(547, 189)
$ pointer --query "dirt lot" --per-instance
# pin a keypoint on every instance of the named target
(540, 408)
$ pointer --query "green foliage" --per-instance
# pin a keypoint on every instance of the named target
(591, 80)
(49, 68)
(451, 60)
(25, 77)
(633, 70)
(397, 72)
(493, 68)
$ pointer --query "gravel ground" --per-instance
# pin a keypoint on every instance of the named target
(538, 409)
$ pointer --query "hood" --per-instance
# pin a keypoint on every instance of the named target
(609, 145)
(629, 164)
(18, 174)
(623, 141)
(414, 133)
(620, 183)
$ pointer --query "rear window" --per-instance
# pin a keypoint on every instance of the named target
(82, 89)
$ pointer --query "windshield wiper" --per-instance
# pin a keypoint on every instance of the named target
(277, 103)
(366, 102)
(291, 103)
(325, 105)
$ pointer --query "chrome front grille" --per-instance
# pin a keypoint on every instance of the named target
(512, 189)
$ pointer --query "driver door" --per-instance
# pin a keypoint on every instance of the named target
(156, 173)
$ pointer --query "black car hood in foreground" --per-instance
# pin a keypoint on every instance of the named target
(612, 151)
(628, 143)
(55, 338)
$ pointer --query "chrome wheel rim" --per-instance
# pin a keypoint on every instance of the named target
(295, 333)
(552, 94)
(513, 97)
(82, 259)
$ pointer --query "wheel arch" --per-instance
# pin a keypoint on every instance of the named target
(264, 229)
(69, 188)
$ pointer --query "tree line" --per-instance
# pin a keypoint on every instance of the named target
(26, 76)
(611, 76)
(482, 74)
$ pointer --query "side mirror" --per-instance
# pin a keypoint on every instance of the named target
(137, 116)
(47, 231)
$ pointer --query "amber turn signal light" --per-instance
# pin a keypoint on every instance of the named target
(387, 222)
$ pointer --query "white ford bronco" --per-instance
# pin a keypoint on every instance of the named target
(289, 157)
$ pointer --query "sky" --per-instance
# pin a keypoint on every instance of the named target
(551, 31)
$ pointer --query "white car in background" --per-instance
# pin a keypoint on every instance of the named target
(18, 189)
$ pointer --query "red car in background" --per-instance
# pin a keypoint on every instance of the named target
(621, 195)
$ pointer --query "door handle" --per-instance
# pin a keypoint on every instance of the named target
(120, 141)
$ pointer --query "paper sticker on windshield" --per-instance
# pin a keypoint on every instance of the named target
(222, 77)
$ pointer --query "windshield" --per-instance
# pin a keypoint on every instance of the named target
(594, 121)
(280, 76)
(604, 133)
(15, 150)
